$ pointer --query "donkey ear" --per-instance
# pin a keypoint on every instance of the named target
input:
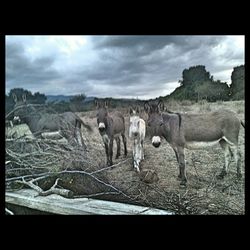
(14, 97)
(96, 103)
(160, 106)
(106, 103)
(130, 110)
(137, 110)
(146, 106)
(24, 98)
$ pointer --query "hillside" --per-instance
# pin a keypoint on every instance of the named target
(198, 84)
(66, 98)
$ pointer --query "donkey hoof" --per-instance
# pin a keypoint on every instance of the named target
(117, 156)
(183, 184)
(239, 175)
(221, 176)
(137, 169)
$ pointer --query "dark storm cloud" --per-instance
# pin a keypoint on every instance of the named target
(145, 44)
(119, 65)
(128, 60)
(22, 71)
(138, 44)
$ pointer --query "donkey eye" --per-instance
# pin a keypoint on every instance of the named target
(161, 124)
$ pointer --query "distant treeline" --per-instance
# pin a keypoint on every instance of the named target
(77, 103)
(196, 84)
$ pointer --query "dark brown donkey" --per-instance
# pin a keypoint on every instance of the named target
(110, 126)
(68, 124)
(194, 131)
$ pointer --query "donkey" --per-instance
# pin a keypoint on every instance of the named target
(110, 126)
(68, 124)
(137, 131)
(195, 131)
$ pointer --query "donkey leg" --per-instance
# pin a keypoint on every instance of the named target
(142, 150)
(111, 152)
(177, 158)
(226, 149)
(118, 147)
(137, 155)
(237, 159)
(107, 152)
(182, 166)
(124, 144)
(79, 138)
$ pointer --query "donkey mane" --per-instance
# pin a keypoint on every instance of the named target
(175, 113)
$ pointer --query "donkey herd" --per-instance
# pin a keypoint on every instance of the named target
(181, 131)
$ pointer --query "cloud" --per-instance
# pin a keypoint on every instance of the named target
(139, 66)
(21, 71)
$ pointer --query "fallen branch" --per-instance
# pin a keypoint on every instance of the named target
(110, 167)
(8, 211)
(53, 190)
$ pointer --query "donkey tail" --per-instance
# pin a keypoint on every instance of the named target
(242, 123)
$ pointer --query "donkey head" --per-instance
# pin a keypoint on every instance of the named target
(20, 105)
(155, 121)
(134, 121)
(102, 114)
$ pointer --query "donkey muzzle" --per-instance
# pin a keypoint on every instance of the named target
(135, 134)
(156, 141)
(101, 129)
(101, 126)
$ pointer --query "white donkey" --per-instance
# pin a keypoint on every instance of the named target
(137, 131)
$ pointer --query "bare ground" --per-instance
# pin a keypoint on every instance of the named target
(204, 194)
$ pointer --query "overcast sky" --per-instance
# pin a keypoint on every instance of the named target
(116, 66)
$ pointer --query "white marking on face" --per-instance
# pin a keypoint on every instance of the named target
(101, 125)
(156, 139)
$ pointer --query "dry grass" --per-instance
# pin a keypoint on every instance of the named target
(205, 194)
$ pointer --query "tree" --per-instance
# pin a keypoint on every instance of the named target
(203, 90)
(198, 84)
(212, 91)
(19, 93)
(194, 74)
(76, 102)
(39, 98)
(237, 87)
(78, 98)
